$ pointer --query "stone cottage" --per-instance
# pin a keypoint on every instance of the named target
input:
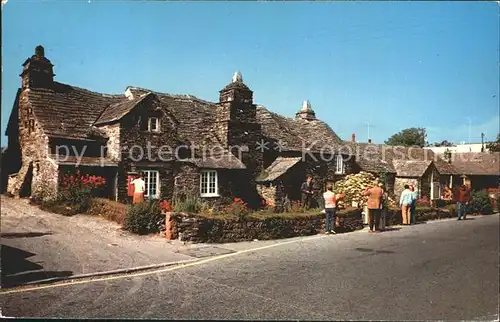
(401, 165)
(182, 144)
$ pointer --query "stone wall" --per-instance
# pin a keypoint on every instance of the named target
(268, 193)
(113, 145)
(134, 134)
(194, 228)
(401, 182)
(37, 172)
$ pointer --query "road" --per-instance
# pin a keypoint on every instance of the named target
(441, 270)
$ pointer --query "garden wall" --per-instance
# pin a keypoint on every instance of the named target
(196, 228)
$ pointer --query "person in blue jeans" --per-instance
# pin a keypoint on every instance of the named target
(463, 199)
(414, 198)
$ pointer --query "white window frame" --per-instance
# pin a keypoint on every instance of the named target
(205, 189)
(339, 164)
(147, 180)
(157, 123)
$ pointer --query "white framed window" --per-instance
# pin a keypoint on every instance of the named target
(339, 164)
(152, 180)
(208, 183)
(154, 124)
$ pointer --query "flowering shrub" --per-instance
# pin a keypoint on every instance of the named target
(76, 190)
(165, 206)
(423, 202)
(237, 208)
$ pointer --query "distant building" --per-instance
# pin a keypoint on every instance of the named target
(459, 148)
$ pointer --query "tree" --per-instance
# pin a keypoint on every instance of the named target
(443, 143)
(409, 137)
(494, 146)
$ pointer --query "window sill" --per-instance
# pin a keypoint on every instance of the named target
(210, 196)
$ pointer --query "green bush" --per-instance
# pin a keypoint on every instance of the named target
(452, 208)
(480, 203)
(189, 204)
(144, 218)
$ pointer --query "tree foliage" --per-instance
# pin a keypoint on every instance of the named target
(494, 146)
(409, 137)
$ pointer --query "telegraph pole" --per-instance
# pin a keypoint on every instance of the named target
(482, 142)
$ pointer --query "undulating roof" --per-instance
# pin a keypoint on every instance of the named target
(68, 111)
(279, 167)
(297, 134)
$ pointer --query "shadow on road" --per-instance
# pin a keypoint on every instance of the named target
(25, 235)
(17, 270)
(390, 229)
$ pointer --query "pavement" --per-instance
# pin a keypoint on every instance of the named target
(41, 245)
(441, 270)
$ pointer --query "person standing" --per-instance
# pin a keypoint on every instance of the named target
(374, 205)
(463, 199)
(405, 203)
(414, 197)
(330, 209)
(139, 188)
(307, 192)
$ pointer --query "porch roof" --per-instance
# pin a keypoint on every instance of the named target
(411, 168)
(279, 167)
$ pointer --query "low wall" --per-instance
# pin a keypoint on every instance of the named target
(196, 228)
(109, 209)
(393, 216)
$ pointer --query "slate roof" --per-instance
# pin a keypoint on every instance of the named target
(477, 163)
(68, 111)
(297, 134)
(116, 111)
(406, 168)
(444, 167)
(279, 167)
(71, 112)
(385, 158)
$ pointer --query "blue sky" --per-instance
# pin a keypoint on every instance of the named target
(393, 64)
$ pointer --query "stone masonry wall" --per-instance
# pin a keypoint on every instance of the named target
(268, 193)
(401, 182)
(134, 138)
(34, 152)
(193, 228)
(113, 146)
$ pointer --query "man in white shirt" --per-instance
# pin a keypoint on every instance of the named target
(330, 209)
(139, 188)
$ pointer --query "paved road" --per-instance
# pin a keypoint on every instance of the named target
(440, 270)
(39, 245)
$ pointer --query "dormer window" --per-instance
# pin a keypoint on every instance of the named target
(154, 124)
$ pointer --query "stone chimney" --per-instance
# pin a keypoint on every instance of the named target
(353, 137)
(236, 91)
(37, 71)
(306, 112)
